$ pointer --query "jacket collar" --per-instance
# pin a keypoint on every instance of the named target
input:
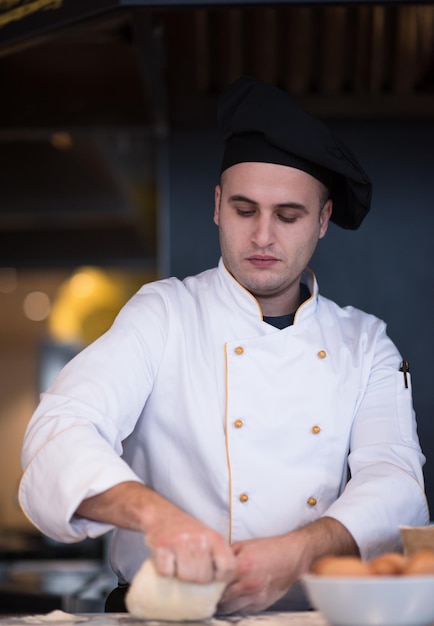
(239, 298)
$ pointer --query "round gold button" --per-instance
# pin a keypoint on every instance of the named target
(311, 501)
(238, 423)
(316, 430)
(322, 354)
(239, 350)
(244, 497)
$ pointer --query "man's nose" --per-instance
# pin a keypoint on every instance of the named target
(263, 232)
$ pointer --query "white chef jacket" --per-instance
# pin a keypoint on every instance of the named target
(253, 430)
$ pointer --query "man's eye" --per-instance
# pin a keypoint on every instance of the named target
(288, 219)
(245, 212)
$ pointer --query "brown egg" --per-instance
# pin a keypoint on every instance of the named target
(420, 563)
(341, 566)
(389, 564)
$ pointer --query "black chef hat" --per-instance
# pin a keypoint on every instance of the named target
(262, 123)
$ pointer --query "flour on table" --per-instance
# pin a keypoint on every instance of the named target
(61, 616)
(56, 616)
(156, 597)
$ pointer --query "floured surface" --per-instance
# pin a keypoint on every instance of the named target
(309, 618)
(55, 617)
(155, 597)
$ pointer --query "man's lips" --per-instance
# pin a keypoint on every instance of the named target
(259, 260)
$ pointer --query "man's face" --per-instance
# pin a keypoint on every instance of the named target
(270, 218)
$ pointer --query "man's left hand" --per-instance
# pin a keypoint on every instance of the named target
(265, 570)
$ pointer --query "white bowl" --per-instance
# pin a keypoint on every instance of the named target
(372, 600)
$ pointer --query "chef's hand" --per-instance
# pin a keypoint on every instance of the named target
(266, 568)
(180, 545)
(184, 547)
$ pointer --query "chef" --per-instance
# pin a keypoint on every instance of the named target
(237, 425)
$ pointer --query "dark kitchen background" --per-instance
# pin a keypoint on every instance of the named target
(108, 160)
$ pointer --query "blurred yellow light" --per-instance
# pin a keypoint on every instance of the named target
(87, 304)
(82, 284)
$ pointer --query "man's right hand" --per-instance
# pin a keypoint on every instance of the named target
(180, 545)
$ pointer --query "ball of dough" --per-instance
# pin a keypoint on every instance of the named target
(156, 597)
(388, 564)
(341, 566)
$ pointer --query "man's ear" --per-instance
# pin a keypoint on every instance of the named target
(324, 218)
(217, 197)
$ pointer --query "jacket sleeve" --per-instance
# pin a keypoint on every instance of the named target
(386, 486)
(73, 444)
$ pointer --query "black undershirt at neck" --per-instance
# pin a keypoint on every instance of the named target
(282, 321)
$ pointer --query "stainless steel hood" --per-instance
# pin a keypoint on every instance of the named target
(77, 138)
